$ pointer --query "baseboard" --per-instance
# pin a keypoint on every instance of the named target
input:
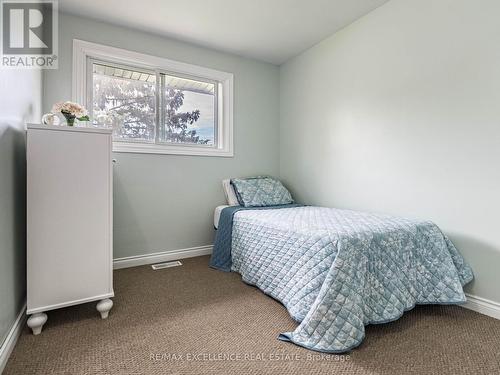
(482, 306)
(164, 256)
(11, 339)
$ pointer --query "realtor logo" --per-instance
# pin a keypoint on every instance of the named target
(29, 34)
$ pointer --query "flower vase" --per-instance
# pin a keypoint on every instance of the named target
(70, 119)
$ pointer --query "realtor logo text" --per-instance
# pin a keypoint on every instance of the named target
(29, 34)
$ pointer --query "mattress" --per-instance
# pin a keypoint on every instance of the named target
(339, 270)
(217, 212)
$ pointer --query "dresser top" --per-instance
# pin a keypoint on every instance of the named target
(65, 128)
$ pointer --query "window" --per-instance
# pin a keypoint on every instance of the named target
(188, 110)
(124, 99)
(154, 105)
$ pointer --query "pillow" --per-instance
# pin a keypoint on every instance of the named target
(260, 191)
(229, 193)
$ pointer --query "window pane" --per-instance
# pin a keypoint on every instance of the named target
(124, 98)
(188, 111)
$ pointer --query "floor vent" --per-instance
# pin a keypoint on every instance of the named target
(160, 266)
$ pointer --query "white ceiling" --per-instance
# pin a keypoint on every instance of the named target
(267, 30)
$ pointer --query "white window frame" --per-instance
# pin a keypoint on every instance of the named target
(83, 54)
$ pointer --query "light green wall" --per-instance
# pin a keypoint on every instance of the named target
(20, 93)
(400, 113)
(166, 202)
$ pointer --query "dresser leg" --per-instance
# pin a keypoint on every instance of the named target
(36, 322)
(104, 306)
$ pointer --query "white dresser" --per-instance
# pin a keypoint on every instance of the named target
(69, 219)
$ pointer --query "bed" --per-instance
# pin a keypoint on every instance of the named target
(338, 270)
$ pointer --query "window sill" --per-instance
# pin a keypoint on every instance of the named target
(143, 148)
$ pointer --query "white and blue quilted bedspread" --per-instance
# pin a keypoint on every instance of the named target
(339, 270)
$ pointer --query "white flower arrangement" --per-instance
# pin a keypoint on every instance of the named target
(71, 111)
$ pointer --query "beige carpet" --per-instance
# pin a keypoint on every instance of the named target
(195, 320)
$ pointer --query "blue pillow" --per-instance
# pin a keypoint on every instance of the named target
(260, 191)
